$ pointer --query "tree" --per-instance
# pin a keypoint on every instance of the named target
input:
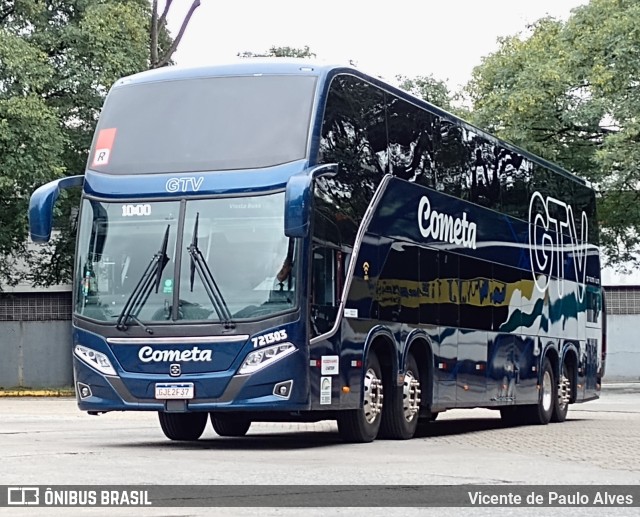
(274, 51)
(568, 91)
(161, 48)
(427, 88)
(57, 61)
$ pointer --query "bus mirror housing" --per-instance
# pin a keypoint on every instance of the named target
(41, 206)
(297, 213)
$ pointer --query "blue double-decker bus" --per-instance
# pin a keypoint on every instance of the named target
(280, 241)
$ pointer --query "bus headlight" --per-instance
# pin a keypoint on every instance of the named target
(96, 360)
(259, 359)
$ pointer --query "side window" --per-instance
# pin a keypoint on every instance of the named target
(514, 176)
(354, 134)
(399, 279)
(475, 294)
(327, 282)
(508, 293)
(429, 286)
(450, 155)
(483, 181)
(335, 215)
(448, 290)
(412, 149)
(497, 177)
(334, 232)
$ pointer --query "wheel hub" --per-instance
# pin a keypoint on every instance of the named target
(564, 391)
(410, 396)
(546, 391)
(373, 396)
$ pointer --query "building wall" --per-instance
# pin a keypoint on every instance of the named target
(35, 340)
(623, 336)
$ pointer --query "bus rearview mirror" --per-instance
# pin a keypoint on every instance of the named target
(298, 193)
(41, 206)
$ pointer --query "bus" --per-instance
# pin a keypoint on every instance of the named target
(276, 240)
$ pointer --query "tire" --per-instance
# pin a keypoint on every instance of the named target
(229, 425)
(540, 413)
(400, 415)
(182, 426)
(565, 390)
(362, 425)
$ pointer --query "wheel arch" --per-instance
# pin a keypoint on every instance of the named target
(419, 344)
(551, 353)
(570, 358)
(380, 340)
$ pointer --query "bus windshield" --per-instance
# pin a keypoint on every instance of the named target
(235, 263)
(203, 124)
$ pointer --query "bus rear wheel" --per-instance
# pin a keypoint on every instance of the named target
(362, 425)
(540, 413)
(400, 419)
(182, 426)
(565, 388)
(229, 425)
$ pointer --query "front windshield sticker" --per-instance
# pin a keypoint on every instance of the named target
(104, 143)
(167, 288)
(132, 210)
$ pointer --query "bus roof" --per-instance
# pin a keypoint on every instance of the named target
(299, 66)
(244, 66)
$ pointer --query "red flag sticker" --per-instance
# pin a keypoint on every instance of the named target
(103, 146)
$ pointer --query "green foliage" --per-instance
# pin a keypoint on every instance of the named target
(427, 88)
(569, 91)
(57, 61)
(304, 52)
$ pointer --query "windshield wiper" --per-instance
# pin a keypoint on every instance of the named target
(141, 292)
(199, 264)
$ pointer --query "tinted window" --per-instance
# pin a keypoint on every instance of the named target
(430, 292)
(448, 291)
(412, 144)
(423, 147)
(475, 294)
(354, 134)
(399, 280)
(204, 124)
(510, 286)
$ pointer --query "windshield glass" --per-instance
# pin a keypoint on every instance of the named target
(235, 262)
(207, 124)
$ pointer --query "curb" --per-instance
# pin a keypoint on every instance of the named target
(28, 392)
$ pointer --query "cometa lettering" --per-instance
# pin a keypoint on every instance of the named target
(445, 227)
(149, 355)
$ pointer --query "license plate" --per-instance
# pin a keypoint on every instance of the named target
(174, 390)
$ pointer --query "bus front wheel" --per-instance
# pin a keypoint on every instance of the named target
(229, 425)
(362, 425)
(182, 426)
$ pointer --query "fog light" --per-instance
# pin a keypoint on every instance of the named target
(283, 389)
(84, 390)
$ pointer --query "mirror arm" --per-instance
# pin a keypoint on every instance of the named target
(41, 206)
